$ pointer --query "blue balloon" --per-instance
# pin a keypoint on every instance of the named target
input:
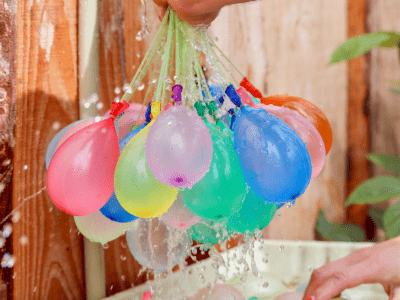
(51, 149)
(112, 209)
(275, 161)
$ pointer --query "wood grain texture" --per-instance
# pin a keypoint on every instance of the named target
(287, 46)
(50, 264)
(120, 21)
(8, 54)
(385, 67)
(358, 119)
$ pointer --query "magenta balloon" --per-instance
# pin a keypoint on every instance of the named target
(80, 178)
(219, 292)
(129, 118)
(179, 147)
(76, 128)
(179, 216)
(306, 130)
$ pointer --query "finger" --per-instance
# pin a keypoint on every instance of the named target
(347, 278)
(320, 275)
(395, 293)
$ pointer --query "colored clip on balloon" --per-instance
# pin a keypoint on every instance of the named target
(307, 110)
(97, 228)
(179, 148)
(81, 172)
(136, 188)
(274, 159)
(246, 99)
(254, 214)
(220, 193)
(250, 88)
(308, 133)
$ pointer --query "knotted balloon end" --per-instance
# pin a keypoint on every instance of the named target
(177, 90)
(147, 295)
(212, 108)
(118, 108)
(155, 109)
(250, 88)
(234, 96)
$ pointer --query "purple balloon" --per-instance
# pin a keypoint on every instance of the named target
(179, 147)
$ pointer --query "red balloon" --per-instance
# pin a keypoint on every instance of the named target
(80, 177)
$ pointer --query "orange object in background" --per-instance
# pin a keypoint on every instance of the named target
(307, 110)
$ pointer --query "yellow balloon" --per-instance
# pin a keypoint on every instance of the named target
(136, 188)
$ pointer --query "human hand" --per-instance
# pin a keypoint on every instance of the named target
(377, 264)
(195, 12)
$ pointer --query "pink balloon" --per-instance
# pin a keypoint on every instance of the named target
(219, 292)
(168, 106)
(306, 130)
(76, 128)
(80, 178)
(245, 97)
(129, 118)
(179, 216)
(179, 147)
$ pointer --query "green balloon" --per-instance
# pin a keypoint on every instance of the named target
(224, 129)
(136, 188)
(220, 193)
(209, 232)
(255, 213)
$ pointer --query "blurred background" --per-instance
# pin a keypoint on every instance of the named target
(282, 46)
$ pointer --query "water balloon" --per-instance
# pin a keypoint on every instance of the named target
(81, 172)
(220, 193)
(115, 212)
(219, 292)
(274, 159)
(154, 246)
(209, 232)
(308, 133)
(97, 228)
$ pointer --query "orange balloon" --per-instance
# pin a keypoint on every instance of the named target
(307, 110)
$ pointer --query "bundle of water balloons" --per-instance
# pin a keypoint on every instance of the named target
(203, 159)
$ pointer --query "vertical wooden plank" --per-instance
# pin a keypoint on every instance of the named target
(385, 66)
(8, 56)
(358, 121)
(287, 46)
(120, 56)
(49, 262)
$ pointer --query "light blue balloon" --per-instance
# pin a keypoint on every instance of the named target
(51, 149)
(275, 161)
(127, 138)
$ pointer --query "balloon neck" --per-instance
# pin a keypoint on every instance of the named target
(177, 90)
(155, 109)
(117, 108)
(250, 88)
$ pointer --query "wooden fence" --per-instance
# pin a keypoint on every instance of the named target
(284, 46)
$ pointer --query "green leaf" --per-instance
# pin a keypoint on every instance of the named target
(393, 41)
(391, 221)
(360, 45)
(394, 91)
(389, 162)
(375, 190)
(339, 232)
(376, 215)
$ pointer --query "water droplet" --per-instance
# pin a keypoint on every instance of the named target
(105, 246)
(216, 38)
(134, 67)
(281, 247)
(16, 216)
(123, 277)
(11, 261)
(154, 80)
(56, 125)
(265, 285)
(194, 251)
(97, 119)
(123, 257)
(26, 167)
(128, 89)
(86, 105)
(201, 276)
(7, 230)
(140, 86)
(310, 268)
(117, 90)
(123, 244)
(2, 241)
(6, 162)
(99, 106)
(139, 36)
(139, 54)
(34, 289)
(104, 130)
(23, 240)
(204, 69)
(3, 94)
(116, 99)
